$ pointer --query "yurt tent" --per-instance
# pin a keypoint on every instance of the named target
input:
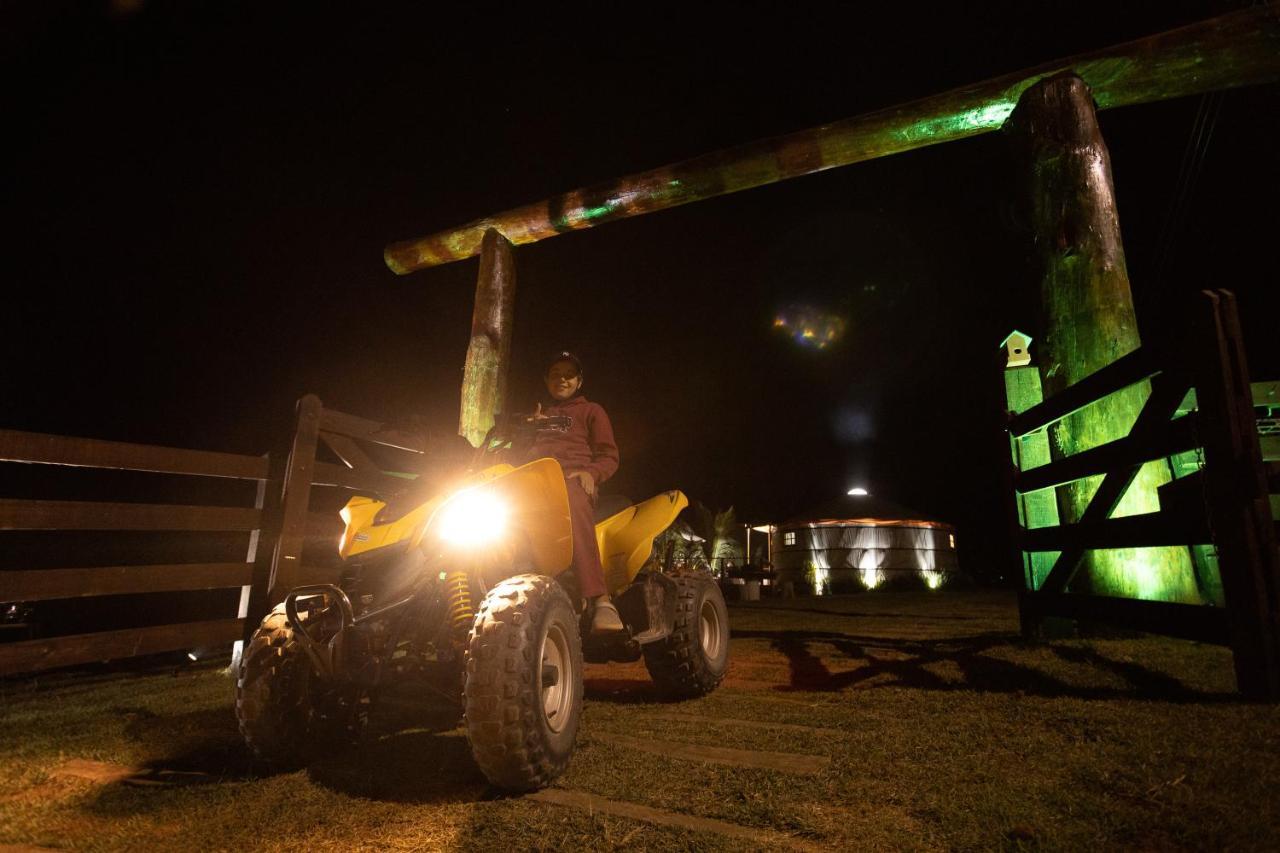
(863, 542)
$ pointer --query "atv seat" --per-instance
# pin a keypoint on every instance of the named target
(609, 505)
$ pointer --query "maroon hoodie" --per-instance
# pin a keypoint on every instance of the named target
(588, 444)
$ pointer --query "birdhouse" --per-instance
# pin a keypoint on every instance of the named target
(1018, 349)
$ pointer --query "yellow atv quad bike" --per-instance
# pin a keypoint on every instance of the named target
(471, 586)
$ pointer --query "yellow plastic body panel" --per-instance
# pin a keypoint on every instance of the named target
(539, 504)
(362, 535)
(626, 539)
(535, 493)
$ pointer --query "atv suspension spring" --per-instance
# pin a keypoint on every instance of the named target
(458, 592)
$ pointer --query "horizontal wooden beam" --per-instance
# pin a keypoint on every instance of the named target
(1265, 393)
(1187, 621)
(83, 515)
(54, 652)
(339, 476)
(45, 584)
(1237, 49)
(357, 427)
(349, 451)
(1179, 436)
(1132, 531)
(1125, 371)
(40, 449)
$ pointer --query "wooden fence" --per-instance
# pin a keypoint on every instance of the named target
(37, 585)
(1223, 504)
(278, 526)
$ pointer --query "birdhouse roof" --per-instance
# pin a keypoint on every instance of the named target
(1022, 335)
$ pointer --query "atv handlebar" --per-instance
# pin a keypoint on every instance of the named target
(507, 428)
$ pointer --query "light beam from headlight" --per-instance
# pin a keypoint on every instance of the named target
(473, 518)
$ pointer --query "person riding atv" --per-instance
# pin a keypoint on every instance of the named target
(475, 583)
(588, 455)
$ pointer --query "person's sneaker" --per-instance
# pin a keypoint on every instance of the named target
(605, 619)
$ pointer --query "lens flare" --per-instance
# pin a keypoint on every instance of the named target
(809, 327)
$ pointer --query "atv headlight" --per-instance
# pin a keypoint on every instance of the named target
(473, 518)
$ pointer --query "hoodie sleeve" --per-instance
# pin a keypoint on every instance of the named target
(604, 450)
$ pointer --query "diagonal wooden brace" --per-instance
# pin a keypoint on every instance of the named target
(1167, 391)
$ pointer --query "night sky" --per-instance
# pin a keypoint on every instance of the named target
(198, 195)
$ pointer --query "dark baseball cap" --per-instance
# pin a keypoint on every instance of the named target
(564, 356)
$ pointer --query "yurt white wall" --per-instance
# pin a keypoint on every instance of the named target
(852, 554)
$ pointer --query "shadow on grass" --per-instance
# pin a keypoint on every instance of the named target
(200, 743)
(625, 691)
(412, 752)
(200, 749)
(980, 671)
(406, 767)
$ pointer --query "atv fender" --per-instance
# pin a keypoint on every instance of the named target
(626, 538)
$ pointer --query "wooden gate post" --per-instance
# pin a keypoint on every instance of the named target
(262, 548)
(1087, 318)
(259, 541)
(1237, 490)
(295, 500)
(484, 378)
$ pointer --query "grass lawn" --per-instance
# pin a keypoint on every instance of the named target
(909, 721)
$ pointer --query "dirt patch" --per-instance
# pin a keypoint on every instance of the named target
(99, 772)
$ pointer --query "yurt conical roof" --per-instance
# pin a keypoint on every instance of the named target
(865, 509)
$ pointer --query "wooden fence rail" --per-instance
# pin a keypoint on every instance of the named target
(49, 584)
(36, 655)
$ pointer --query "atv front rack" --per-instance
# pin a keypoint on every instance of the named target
(327, 656)
(323, 655)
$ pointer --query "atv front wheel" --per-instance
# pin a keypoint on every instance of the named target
(693, 658)
(283, 710)
(523, 690)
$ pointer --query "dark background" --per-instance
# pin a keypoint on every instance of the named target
(197, 195)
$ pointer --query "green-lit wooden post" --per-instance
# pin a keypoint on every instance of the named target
(484, 378)
(1087, 319)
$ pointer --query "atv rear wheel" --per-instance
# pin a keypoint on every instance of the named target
(523, 688)
(283, 710)
(693, 658)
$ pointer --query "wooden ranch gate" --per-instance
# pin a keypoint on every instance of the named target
(1201, 403)
(279, 529)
